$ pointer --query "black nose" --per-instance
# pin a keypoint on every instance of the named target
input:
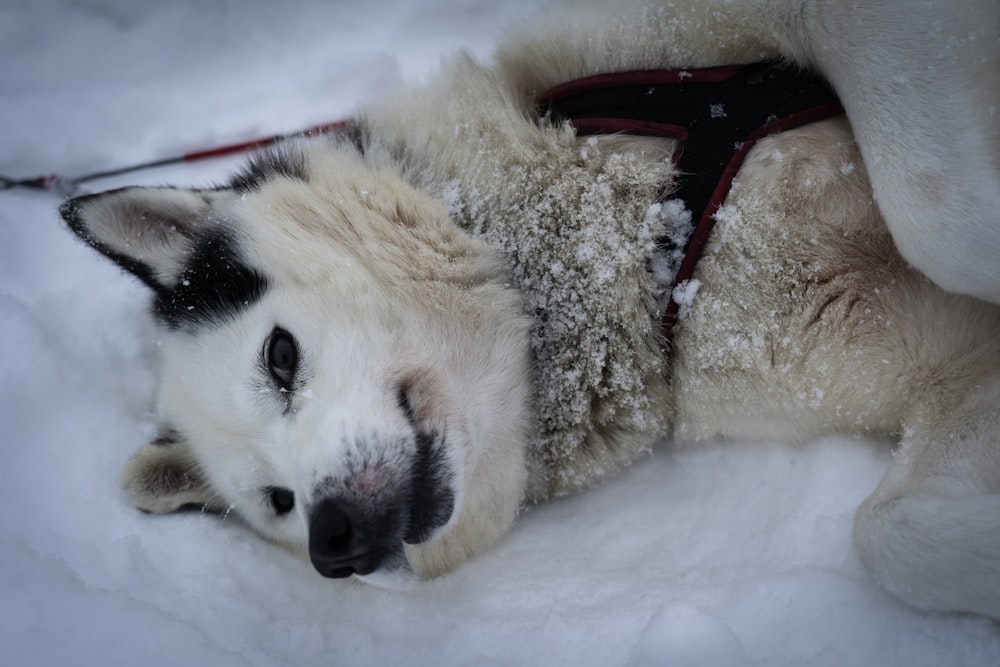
(342, 541)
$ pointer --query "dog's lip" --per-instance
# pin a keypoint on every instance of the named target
(432, 492)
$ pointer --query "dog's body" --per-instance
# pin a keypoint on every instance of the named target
(378, 346)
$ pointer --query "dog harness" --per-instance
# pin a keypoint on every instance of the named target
(716, 114)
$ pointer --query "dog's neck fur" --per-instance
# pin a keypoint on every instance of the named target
(717, 114)
(578, 221)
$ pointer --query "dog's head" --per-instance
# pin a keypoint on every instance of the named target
(342, 366)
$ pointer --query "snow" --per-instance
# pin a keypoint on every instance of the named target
(725, 554)
(684, 294)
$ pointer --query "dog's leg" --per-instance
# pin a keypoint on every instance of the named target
(921, 88)
(930, 533)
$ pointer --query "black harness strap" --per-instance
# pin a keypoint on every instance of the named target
(716, 114)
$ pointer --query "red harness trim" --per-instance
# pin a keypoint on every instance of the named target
(704, 227)
(818, 103)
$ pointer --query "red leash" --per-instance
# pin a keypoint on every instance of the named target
(67, 186)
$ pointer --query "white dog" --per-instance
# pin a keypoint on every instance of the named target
(380, 344)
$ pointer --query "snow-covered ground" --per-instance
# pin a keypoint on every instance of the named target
(725, 555)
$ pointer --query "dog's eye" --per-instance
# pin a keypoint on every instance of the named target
(282, 357)
(282, 500)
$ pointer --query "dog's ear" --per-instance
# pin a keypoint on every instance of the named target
(148, 231)
(163, 477)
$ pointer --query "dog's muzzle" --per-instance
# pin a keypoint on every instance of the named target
(351, 532)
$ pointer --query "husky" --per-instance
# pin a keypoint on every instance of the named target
(380, 344)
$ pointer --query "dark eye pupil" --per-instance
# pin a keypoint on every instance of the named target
(282, 356)
(282, 500)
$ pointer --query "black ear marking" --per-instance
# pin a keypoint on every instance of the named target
(215, 285)
(180, 243)
(147, 231)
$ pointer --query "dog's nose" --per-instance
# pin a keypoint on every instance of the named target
(343, 542)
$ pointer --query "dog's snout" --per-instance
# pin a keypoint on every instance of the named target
(342, 541)
(361, 521)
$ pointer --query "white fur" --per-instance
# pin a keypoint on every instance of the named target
(422, 258)
(367, 336)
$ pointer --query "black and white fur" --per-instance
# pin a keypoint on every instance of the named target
(379, 345)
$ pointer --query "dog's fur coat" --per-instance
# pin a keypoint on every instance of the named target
(381, 344)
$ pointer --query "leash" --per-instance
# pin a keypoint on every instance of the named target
(69, 186)
(716, 114)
